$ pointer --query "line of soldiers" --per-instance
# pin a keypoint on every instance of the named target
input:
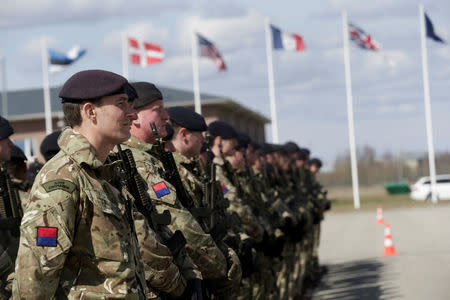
(139, 202)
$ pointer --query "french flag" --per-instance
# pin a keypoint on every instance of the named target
(286, 40)
(60, 60)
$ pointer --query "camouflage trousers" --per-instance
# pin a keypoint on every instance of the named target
(285, 276)
(315, 250)
(306, 251)
(245, 289)
(264, 280)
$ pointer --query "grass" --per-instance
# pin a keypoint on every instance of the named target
(371, 197)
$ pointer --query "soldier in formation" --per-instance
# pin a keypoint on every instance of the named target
(139, 202)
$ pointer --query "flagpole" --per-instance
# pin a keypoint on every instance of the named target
(273, 107)
(197, 100)
(4, 87)
(426, 92)
(46, 87)
(124, 55)
(351, 126)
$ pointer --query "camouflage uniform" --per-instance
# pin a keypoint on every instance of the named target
(200, 246)
(223, 288)
(264, 282)
(230, 190)
(226, 176)
(77, 234)
(7, 257)
(163, 273)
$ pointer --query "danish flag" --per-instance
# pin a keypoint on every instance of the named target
(144, 53)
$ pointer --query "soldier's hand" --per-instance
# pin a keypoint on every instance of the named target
(234, 273)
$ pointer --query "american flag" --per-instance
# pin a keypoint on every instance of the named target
(362, 39)
(208, 49)
(143, 53)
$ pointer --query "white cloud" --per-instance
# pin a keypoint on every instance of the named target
(30, 12)
(388, 59)
(112, 42)
(228, 34)
(444, 52)
(395, 109)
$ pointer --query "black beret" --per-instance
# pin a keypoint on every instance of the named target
(243, 141)
(304, 153)
(5, 128)
(49, 146)
(94, 84)
(266, 148)
(187, 118)
(222, 129)
(315, 161)
(17, 154)
(255, 145)
(291, 147)
(146, 93)
(170, 132)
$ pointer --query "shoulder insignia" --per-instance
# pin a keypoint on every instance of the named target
(47, 236)
(161, 189)
(224, 189)
(59, 184)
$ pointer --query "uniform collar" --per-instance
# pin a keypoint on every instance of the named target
(78, 147)
(180, 158)
(218, 161)
(134, 142)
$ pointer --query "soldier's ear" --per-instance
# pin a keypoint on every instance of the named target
(88, 110)
(137, 121)
(182, 132)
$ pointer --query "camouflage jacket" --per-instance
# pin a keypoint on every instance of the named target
(77, 237)
(190, 175)
(237, 204)
(200, 245)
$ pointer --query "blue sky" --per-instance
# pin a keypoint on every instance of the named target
(310, 86)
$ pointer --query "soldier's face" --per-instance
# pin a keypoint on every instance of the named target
(229, 146)
(238, 159)
(194, 142)
(314, 169)
(5, 149)
(154, 112)
(114, 117)
(251, 155)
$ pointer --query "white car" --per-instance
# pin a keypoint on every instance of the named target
(420, 191)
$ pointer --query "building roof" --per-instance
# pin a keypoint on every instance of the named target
(29, 104)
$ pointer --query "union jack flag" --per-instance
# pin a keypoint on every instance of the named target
(362, 39)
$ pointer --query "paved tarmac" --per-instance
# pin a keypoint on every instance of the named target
(352, 245)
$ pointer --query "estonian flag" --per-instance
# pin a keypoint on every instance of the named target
(60, 60)
(286, 41)
(430, 31)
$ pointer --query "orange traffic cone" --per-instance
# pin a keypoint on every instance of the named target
(389, 249)
(380, 219)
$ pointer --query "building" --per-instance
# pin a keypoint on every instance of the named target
(25, 111)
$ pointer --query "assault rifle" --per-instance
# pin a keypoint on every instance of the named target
(10, 210)
(220, 222)
(172, 176)
(138, 189)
